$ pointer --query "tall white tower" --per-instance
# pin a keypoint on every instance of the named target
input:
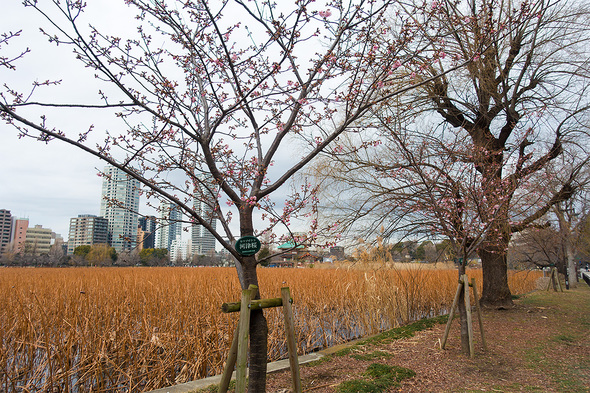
(169, 225)
(203, 241)
(120, 205)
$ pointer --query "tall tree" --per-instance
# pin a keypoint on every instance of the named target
(408, 186)
(483, 132)
(212, 94)
(561, 238)
(521, 102)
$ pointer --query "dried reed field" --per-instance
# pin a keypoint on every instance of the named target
(138, 329)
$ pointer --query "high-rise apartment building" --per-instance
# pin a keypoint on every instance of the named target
(119, 205)
(87, 229)
(203, 241)
(5, 230)
(148, 226)
(170, 226)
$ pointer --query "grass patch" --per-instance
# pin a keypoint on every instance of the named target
(371, 355)
(565, 338)
(380, 378)
(405, 331)
(574, 310)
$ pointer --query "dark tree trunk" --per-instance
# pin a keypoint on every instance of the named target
(493, 251)
(496, 293)
(258, 352)
(258, 326)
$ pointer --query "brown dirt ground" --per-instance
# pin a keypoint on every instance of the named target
(540, 345)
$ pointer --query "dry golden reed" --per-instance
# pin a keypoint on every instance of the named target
(138, 329)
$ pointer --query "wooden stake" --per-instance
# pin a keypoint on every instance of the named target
(254, 305)
(243, 334)
(558, 282)
(468, 309)
(239, 349)
(230, 364)
(479, 317)
(291, 343)
(554, 280)
(452, 314)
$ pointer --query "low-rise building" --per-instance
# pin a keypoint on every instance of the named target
(38, 240)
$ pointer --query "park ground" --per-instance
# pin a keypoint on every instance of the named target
(540, 345)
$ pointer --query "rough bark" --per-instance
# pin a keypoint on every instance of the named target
(463, 324)
(496, 292)
(258, 324)
(258, 352)
(463, 316)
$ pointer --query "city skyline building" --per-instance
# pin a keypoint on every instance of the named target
(19, 234)
(169, 225)
(178, 251)
(119, 205)
(202, 241)
(38, 240)
(87, 229)
(5, 230)
(148, 225)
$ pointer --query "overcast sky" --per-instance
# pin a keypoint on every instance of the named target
(51, 183)
(46, 183)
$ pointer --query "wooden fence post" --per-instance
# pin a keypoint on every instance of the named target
(464, 286)
(239, 349)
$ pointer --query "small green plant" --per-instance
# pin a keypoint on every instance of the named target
(358, 386)
(381, 377)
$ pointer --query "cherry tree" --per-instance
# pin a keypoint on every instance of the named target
(411, 184)
(210, 96)
(487, 130)
(523, 104)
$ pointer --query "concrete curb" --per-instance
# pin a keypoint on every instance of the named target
(271, 367)
(206, 382)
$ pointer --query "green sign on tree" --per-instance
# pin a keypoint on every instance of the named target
(247, 245)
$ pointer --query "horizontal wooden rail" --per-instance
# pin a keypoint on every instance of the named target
(254, 304)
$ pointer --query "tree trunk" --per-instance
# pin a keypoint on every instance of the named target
(496, 292)
(571, 278)
(463, 314)
(258, 326)
(571, 267)
(258, 351)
